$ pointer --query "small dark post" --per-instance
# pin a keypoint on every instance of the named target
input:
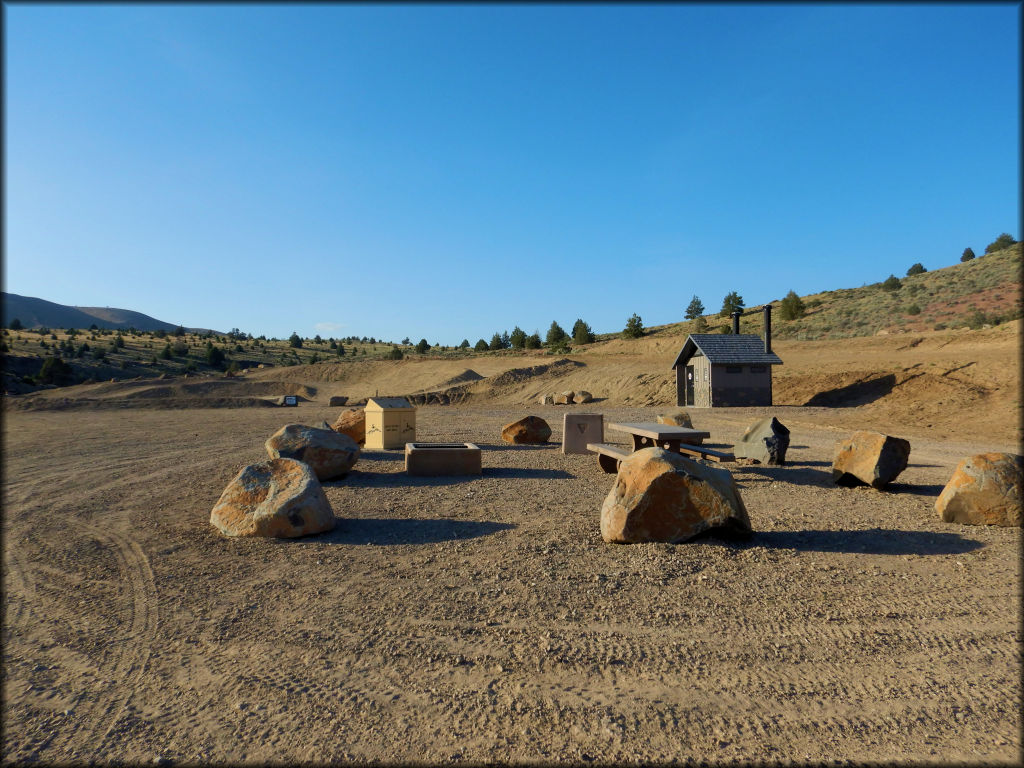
(767, 328)
(736, 323)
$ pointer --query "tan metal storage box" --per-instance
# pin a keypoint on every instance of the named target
(390, 423)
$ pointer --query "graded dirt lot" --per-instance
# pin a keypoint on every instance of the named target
(483, 619)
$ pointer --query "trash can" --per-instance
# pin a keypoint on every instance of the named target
(390, 423)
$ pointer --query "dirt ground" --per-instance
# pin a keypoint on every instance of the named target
(483, 619)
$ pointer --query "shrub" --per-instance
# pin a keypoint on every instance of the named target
(700, 325)
(634, 327)
(1001, 242)
(582, 333)
(294, 341)
(180, 349)
(99, 354)
(812, 303)
(341, 349)
(555, 334)
(179, 331)
(317, 339)
(16, 325)
(315, 358)
(54, 371)
(913, 309)
(939, 327)
(119, 341)
(791, 307)
(394, 354)
(533, 341)
(916, 269)
(694, 309)
(464, 344)
(421, 346)
(968, 254)
(892, 283)
(481, 346)
(732, 302)
(214, 355)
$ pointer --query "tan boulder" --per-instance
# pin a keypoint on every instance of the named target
(280, 498)
(546, 400)
(564, 398)
(677, 419)
(531, 429)
(984, 490)
(869, 458)
(352, 422)
(662, 496)
(582, 396)
(329, 453)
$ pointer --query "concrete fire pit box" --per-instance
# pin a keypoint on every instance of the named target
(432, 459)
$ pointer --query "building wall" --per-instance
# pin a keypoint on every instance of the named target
(751, 385)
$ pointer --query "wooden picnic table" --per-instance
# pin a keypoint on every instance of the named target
(652, 435)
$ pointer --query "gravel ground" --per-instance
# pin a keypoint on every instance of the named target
(483, 619)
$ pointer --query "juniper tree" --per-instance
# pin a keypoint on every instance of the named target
(791, 307)
(968, 254)
(517, 338)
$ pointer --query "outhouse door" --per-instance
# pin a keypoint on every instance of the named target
(689, 385)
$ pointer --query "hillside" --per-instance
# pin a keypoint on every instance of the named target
(39, 313)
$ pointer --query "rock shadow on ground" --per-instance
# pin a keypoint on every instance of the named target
(391, 531)
(875, 541)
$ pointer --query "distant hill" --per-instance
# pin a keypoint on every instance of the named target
(37, 313)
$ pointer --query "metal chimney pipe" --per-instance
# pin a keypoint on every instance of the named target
(767, 328)
(736, 323)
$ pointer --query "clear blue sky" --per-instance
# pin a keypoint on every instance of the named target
(451, 171)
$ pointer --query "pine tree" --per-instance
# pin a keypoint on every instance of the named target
(695, 309)
(916, 269)
(967, 255)
(481, 346)
(732, 302)
(556, 335)
(533, 341)
(517, 338)
(634, 328)
(464, 344)
(496, 342)
(294, 341)
(581, 333)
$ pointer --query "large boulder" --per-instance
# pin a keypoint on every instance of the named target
(869, 458)
(329, 453)
(280, 498)
(765, 441)
(677, 419)
(660, 495)
(582, 396)
(984, 490)
(546, 400)
(352, 422)
(565, 398)
(531, 429)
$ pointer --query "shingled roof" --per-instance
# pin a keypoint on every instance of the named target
(727, 348)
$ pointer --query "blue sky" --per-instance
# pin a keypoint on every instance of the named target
(451, 171)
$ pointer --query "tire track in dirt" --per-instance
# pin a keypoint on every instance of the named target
(134, 645)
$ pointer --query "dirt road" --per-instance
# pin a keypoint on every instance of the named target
(483, 619)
